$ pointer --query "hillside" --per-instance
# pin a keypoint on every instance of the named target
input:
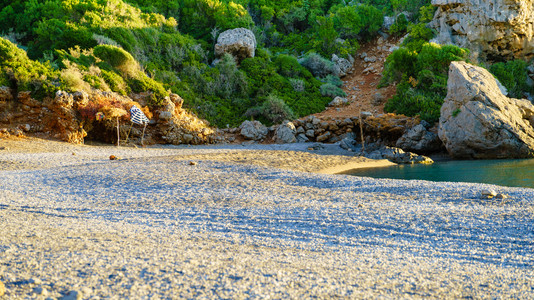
(301, 49)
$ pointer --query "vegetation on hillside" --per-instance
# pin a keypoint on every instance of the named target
(160, 46)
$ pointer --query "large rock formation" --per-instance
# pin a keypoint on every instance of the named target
(478, 121)
(491, 29)
(239, 42)
(72, 117)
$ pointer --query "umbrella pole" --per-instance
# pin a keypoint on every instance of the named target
(143, 136)
(118, 133)
(128, 133)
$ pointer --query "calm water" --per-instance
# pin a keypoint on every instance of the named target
(517, 172)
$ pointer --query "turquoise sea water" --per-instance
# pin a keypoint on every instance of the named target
(515, 173)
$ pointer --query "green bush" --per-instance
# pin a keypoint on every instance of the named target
(118, 59)
(333, 80)
(24, 74)
(514, 76)
(275, 110)
(422, 79)
(317, 65)
(400, 25)
(330, 90)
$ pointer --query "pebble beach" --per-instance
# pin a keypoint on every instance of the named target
(249, 222)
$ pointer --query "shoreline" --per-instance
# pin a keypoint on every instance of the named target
(328, 159)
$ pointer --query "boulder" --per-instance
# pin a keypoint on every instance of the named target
(5, 94)
(489, 28)
(419, 140)
(285, 133)
(478, 121)
(342, 65)
(338, 101)
(253, 130)
(239, 42)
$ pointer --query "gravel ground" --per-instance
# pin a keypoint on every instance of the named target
(153, 226)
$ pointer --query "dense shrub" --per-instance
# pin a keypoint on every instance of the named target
(275, 110)
(514, 76)
(23, 74)
(330, 90)
(423, 79)
(318, 65)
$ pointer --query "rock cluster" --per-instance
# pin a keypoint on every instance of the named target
(239, 42)
(478, 121)
(399, 156)
(386, 129)
(489, 28)
(420, 140)
(72, 117)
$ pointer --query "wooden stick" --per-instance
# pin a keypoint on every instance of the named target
(361, 132)
(129, 133)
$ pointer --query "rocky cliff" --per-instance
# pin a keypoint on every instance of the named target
(478, 121)
(491, 29)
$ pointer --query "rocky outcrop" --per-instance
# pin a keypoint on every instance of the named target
(253, 130)
(478, 121)
(489, 28)
(239, 42)
(420, 140)
(73, 117)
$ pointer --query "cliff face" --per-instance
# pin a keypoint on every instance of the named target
(491, 29)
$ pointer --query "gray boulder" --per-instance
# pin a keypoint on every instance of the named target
(253, 130)
(478, 121)
(338, 101)
(419, 140)
(239, 42)
(342, 65)
(285, 133)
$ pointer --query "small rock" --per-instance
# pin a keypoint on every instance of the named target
(502, 196)
(40, 291)
(324, 137)
(113, 157)
(73, 153)
(165, 115)
(25, 127)
(488, 194)
(338, 101)
(378, 99)
(4, 148)
(192, 163)
(187, 138)
(72, 295)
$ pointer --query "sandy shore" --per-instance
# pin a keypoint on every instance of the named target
(249, 222)
(330, 159)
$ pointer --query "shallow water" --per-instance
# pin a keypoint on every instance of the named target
(515, 173)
